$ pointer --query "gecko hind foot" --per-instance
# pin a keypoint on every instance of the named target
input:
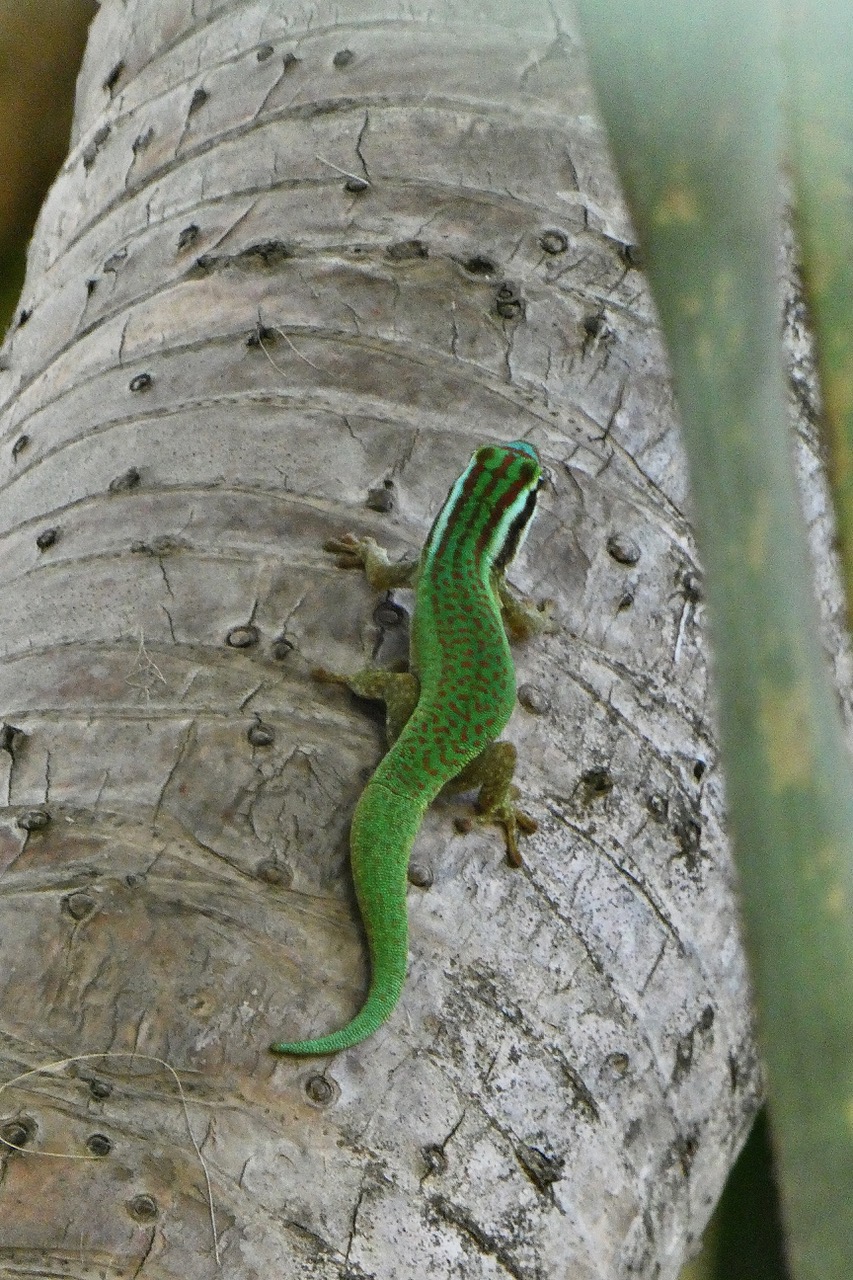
(511, 820)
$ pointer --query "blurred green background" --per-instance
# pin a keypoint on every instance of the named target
(41, 45)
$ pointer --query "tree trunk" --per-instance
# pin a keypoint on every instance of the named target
(300, 261)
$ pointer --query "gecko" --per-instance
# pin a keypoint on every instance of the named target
(445, 714)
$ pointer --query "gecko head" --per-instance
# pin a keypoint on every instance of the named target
(515, 480)
(488, 510)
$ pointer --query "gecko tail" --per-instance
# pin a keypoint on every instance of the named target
(381, 998)
(384, 827)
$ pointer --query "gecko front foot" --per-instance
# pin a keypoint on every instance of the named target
(365, 553)
(350, 552)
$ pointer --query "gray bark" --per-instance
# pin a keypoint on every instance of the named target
(299, 255)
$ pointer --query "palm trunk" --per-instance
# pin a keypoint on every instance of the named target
(300, 261)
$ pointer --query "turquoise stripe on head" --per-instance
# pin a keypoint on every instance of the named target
(523, 447)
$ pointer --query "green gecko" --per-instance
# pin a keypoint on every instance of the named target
(443, 715)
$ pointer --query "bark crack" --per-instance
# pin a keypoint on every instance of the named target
(171, 624)
(358, 143)
(362, 1191)
(486, 1243)
(183, 747)
(152, 1235)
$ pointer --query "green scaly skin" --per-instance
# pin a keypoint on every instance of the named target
(445, 721)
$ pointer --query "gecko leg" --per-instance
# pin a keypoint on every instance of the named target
(399, 691)
(492, 772)
(521, 617)
(365, 553)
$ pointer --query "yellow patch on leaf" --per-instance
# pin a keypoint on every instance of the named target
(838, 395)
(678, 204)
(835, 900)
(758, 540)
(786, 728)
